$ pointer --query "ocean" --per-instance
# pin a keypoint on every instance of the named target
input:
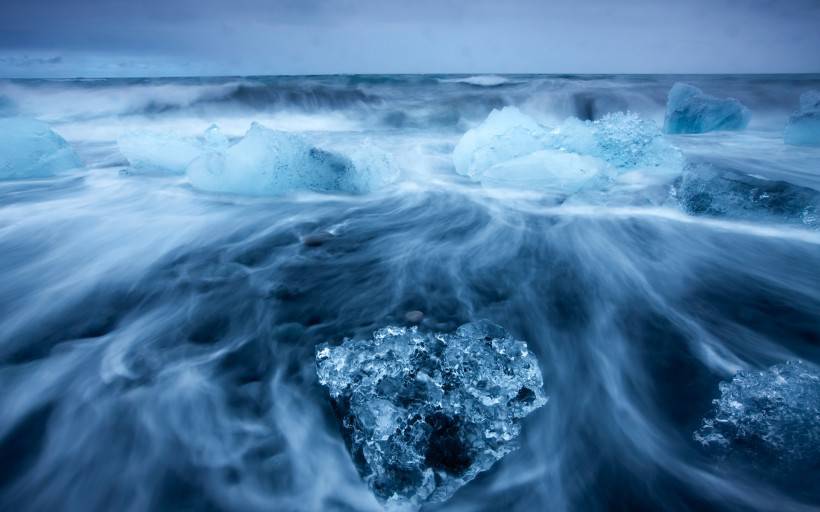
(157, 342)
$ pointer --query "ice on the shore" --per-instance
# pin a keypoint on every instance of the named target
(424, 413)
(167, 152)
(269, 162)
(31, 149)
(511, 149)
(690, 110)
(705, 190)
(803, 127)
(771, 417)
(549, 170)
(505, 134)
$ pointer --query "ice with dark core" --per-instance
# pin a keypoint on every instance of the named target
(803, 128)
(690, 110)
(704, 190)
(771, 417)
(424, 413)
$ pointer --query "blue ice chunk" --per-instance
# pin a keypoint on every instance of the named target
(690, 110)
(424, 413)
(269, 162)
(770, 417)
(803, 127)
(31, 149)
(704, 190)
(627, 141)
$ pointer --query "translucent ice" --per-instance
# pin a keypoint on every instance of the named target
(690, 110)
(548, 170)
(623, 139)
(504, 135)
(704, 190)
(167, 152)
(31, 149)
(423, 414)
(268, 162)
(803, 127)
(512, 149)
(770, 416)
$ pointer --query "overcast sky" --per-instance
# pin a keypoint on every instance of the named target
(240, 37)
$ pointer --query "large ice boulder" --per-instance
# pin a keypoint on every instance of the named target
(505, 134)
(803, 127)
(269, 162)
(511, 149)
(690, 110)
(31, 149)
(769, 417)
(424, 413)
(167, 152)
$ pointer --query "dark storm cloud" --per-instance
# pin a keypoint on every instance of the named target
(329, 36)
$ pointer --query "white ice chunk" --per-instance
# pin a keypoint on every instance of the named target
(505, 134)
(31, 149)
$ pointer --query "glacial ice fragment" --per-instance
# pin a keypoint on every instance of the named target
(549, 170)
(803, 127)
(505, 134)
(513, 150)
(771, 417)
(703, 190)
(269, 162)
(690, 110)
(31, 149)
(424, 413)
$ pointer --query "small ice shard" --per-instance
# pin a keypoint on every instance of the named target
(424, 413)
(167, 152)
(269, 162)
(690, 110)
(770, 417)
(549, 170)
(31, 149)
(504, 135)
(803, 127)
(703, 190)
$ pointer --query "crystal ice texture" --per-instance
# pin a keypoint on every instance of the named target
(424, 413)
(268, 162)
(690, 110)
(704, 190)
(31, 149)
(803, 127)
(513, 150)
(770, 416)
